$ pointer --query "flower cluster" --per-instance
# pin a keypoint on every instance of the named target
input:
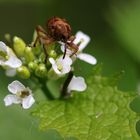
(42, 63)
(21, 95)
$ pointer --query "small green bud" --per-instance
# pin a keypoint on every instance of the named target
(23, 72)
(28, 54)
(36, 61)
(32, 66)
(7, 37)
(3, 55)
(53, 54)
(19, 46)
(50, 47)
(37, 49)
(34, 35)
(42, 57)
(41, 71)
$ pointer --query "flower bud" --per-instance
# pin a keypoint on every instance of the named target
(7, 37)
(23, 72)
(32, 66)
(3, 55)
(42, 57)
(28, 54)
(41, 71)
(19, 46)
(53, 54)
(37, 49)
(36, 61)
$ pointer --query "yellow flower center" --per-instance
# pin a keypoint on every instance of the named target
(59, 66)
(3, 55)
(23, 94)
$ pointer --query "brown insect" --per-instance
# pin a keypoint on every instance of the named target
(58, 29)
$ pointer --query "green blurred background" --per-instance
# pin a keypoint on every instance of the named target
(114, 28)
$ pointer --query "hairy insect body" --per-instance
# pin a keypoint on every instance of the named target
(57, 30)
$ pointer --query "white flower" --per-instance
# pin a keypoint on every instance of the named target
(20, 95)
(10, 72)
(9, 60)
(61, 66)
(77, 84)
(83, 40)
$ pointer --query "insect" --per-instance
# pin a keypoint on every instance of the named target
(58, 29)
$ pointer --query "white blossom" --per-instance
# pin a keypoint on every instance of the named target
(20, 95)
(61, 66)
(10, 72)
(8, 59)
(77, 84)
(83, 40)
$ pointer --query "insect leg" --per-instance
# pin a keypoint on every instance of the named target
(71, 39)
(40, 34)
(40, 29)
(46, 54)
(36, 40)
(75, 48)
(65, 51)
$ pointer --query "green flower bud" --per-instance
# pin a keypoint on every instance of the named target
(36, 61)
(7, 37)
(19, 46)
(32, 66)
(23, 72)
(3, 55)
(37, 49)
(42, 57)
(53, 54)
(28, 54)
(50, 47)
(41, 71)
(34, 35)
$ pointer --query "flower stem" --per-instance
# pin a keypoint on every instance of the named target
(65, 86)
(45, 89)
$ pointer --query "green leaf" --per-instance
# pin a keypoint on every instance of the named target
(100, 113)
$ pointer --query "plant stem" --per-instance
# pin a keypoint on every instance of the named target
(45, 89)
(65, 86)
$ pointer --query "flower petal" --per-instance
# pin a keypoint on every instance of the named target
(68, 51)
(3, 47)
(10, 72)
(16, 87)
(1, 62)
(10, 99)
(13, 61)
(67, 60)
(87, 58)
(66, 69)
(64, 63)
(54, 66)
(52, 61)
(80, 36)
(27, 102)
(77, 84)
